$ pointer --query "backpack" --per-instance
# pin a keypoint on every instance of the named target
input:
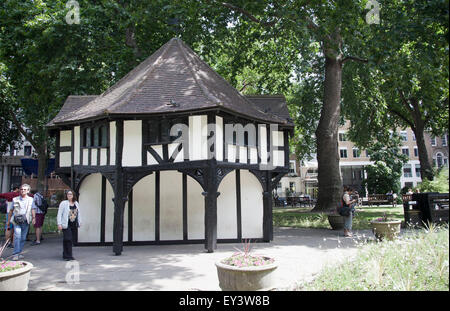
(3, 205)
(44, 204)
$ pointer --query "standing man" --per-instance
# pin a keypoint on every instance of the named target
(38, 216)
(20, 216)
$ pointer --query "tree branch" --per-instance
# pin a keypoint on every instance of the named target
(354, 58)
(401, 116)
(21, 129)
(248, 14)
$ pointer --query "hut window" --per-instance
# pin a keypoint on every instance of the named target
(95, 136)
(159, 131)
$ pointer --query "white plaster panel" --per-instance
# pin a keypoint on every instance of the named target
(277, 138)
(132, 143)
(242, 154)
(85, 156)
(198, 129)
(171, 148)
(278, 158)
(263, 143)
(195, 210)
(219, 139)
(231, 153)
(90, 208)
(253, 156)
(109, 215)
(65, 138)
(65, 159)
(226, 208)
(112, 143)
(151, 159)
(93, 157)
(76, 143)
(103, 156)
(251, 206)
(144, 209)
(171, 205)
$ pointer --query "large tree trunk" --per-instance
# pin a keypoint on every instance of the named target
(329, 177)
(426, 170)
(42, 167)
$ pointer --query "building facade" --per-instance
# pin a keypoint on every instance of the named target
(303, 180)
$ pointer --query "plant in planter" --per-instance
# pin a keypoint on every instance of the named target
(14, 275)
(385, 227)
(243, 271)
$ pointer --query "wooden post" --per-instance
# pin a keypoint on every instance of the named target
(267, 210)
(211, 195)
(119, 195)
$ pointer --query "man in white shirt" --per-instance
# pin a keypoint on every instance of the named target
(21, 209)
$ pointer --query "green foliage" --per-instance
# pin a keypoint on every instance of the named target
(384, 175)
(438, 184)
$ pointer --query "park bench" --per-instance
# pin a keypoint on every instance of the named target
(378, 199)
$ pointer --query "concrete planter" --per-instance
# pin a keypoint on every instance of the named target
(247, 278)
(386, 229)
(16, 280)
(336, 221)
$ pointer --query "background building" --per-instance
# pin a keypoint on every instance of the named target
(302, 178)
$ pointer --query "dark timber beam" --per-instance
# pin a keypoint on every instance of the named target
(211, 195)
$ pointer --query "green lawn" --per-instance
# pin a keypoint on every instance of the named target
(303, 218)
(49, 226)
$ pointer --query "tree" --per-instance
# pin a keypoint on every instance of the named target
(384, 175)
(332, 31)
(407, 83)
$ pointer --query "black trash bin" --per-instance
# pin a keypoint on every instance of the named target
(433, 207)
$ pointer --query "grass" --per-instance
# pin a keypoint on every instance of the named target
(303, 218)
(49, 226)
(418, 261)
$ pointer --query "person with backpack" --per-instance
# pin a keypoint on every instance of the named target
(39, 209)
(20, 216)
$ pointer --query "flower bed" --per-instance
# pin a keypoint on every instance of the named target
(6, 266)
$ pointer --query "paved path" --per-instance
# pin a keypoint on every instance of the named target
(300, 253)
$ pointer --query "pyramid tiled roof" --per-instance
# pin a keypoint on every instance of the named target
(173, 74)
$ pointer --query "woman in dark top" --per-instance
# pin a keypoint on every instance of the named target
(69, 221)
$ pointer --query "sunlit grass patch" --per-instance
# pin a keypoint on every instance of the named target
(419, 261)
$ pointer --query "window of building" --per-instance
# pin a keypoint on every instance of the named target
(27, 151)
(433, 141)
(95, 136)
(417, 170)
(356, 153)
(292, 167)
(292, 186)
(444, 140)
(343, 152)
(405, 151)
(407, 170)
(416, 152)
(404, 135)
(342, 137)
(439, 159)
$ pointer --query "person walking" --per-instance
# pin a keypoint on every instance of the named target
(38, 217)
(69, 220)
(20, 216)
(348, 202)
